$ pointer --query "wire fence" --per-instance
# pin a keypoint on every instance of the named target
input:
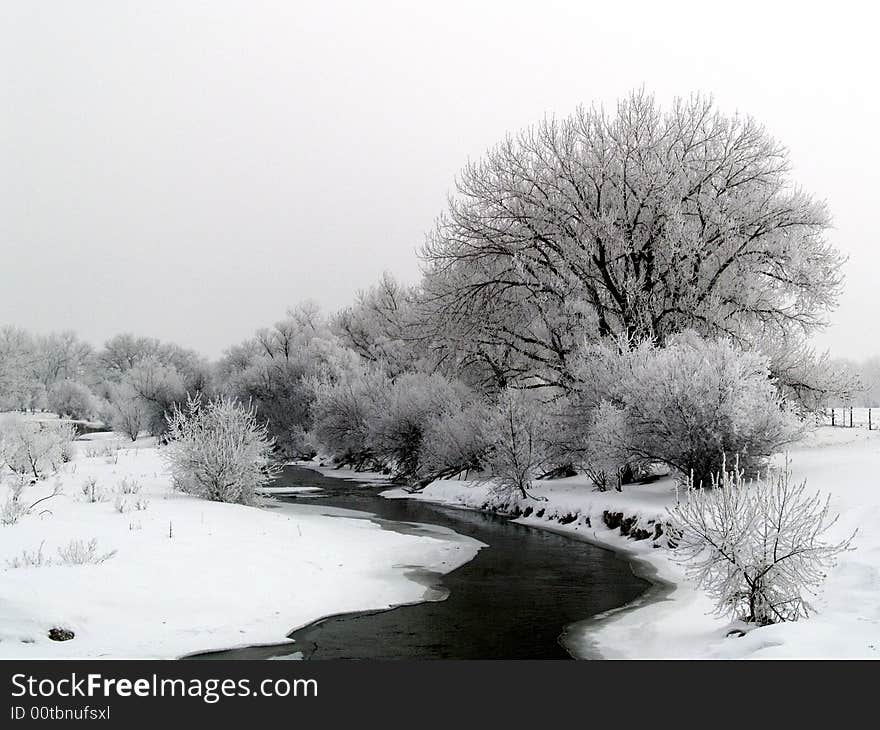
(852, 417)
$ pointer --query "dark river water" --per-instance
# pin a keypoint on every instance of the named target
(514, 600)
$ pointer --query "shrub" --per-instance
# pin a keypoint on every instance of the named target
(279, 390)
(92, 492)
(219, 451)
(79, 552)
(519, 452)
(455, 442)
(32, 448)
(759, 547)
(691, 402)
(397, 428)
(33, 559)
(128, 486)
(341, 415)
(126, 413)
(126, 499)
(71, 399)
(12, 510)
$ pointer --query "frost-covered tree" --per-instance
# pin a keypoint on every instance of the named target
(71, 399)
(518, 452)
(277, 370)
(61, 356)
(281, 392)
(760, 548)
(19, 388)
(381, 326)
(342, 413)
(641, 223)
(456, 441)
(34, 448)
(219, 450)
(691, 402)
(158, 388)
(125, 411)
(807, 379)
(418, 426)
(397, 428)
(122, 352)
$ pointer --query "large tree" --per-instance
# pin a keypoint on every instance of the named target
(642, 223)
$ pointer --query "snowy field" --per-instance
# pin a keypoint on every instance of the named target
(189, 575)
(679, 623)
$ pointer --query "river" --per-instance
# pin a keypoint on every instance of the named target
(515, 600)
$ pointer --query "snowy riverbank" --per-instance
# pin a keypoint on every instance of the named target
(190, 575)
(676, 619)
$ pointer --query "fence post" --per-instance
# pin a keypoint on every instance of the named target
(832, 416)
(850, 416)
(869, 419)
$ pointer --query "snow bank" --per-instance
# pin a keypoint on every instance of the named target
(676, 620)
(190, 575)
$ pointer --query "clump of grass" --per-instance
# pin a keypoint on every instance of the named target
(79, 552)
(30, 559)
(92, 492)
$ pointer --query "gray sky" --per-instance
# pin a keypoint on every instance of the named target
(188, 170)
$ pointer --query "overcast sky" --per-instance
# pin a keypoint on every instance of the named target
(188, 170)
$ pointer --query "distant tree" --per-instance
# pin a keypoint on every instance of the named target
(277, 371)
(456, 440)
(61, 356)
(158, 387)
(282, 395)
(342, 413)
(808, 380)
(122, 352)
(71, 399)
(19, 389)
(643, 224)
(396, 430)
(219, 450)
(382, 328)
(125, 411)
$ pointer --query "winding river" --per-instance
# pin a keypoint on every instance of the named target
(514, 600)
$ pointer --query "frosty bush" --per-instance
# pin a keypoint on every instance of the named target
(30, 559)
(92, 492)
(397, 428)
(689, 403)
(32, 448)
(12, 510)
(758, 547)
(518, 453)
(126, 413)
(126, 497)
(219, 451)
(71, 399)
(79, 552)
(128, 486)
(455, 442)
(341, 413)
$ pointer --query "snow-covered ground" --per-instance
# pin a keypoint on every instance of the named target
(190, 575)
(677, 619)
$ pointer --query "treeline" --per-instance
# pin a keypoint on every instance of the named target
(604, 293)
